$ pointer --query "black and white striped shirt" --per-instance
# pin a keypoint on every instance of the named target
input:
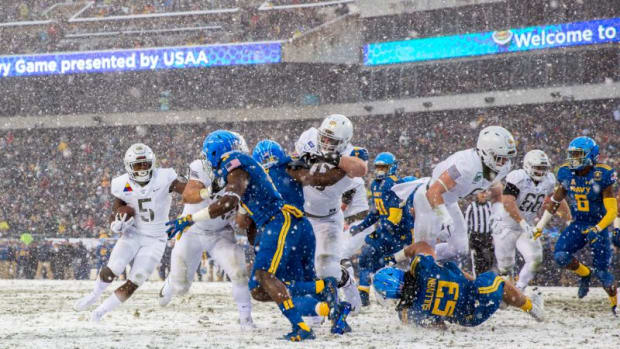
(478, 218)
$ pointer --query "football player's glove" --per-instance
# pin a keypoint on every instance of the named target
(120, 225)
(179, 225)
(593, 234)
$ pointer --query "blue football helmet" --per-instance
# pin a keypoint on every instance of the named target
(388, 282)
(216, 144)
(386, 159)
(268, 153)
(582, 152)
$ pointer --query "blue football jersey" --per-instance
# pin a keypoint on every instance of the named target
(440, 292)
(386, 208)
(261, 199)
(584, 194)
(291, 190)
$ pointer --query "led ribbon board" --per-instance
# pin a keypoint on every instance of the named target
(140, 59)
(479, 44)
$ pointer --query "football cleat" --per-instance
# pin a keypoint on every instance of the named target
(365, 296)
(584, 286)
(299, 334)
(165, 294)
(96, 316)
(339, 318)
(247, 324)
(538, 307)
(84, 302)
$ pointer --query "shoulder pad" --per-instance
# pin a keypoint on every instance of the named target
(604, 166)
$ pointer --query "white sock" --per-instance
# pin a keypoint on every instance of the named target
(109, 304)
(525, 276)
(100, 286)
(241, 295)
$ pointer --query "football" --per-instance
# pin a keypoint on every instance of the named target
(126, 210)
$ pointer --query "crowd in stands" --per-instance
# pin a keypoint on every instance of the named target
(56, 182)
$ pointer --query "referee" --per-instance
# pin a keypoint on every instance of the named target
(478, 217)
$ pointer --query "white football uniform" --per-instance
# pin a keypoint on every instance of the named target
(323, 209)
(322, 206)
(465, 168)
(358, 204)
(530, 198)
(151, 204)
(216, 237)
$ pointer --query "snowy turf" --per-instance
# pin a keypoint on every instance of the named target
(38, 314)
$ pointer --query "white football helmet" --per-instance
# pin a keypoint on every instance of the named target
(536, 164)
(139, 154)
(335, 133)
(496, 147)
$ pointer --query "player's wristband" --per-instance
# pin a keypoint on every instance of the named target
(201, 215)
(546, 217)
(400, 256)
(205, 193)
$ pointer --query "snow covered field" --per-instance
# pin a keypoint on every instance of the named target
(38, 314)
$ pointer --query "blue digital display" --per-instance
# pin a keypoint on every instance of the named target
(140, 59)
(478, 44)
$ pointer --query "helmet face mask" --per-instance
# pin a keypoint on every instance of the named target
(381, 170)
(496, 147)
(576, 158)
(139, 163)
(582, 152)
(385, 165)
(335, 133)
(536, 164)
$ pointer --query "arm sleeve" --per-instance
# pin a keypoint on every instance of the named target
(371, 218)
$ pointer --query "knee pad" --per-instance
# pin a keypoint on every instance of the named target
(562, 258)
(106, 275)
(607, 278)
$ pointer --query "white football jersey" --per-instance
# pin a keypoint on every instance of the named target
(150, 202)
(322, 201)
(359, 203)
(531, 196)
(198, 173)
(465, 167)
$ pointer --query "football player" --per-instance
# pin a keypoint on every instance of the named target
(394, 224)
(289, 176)
(524, 194)
(589, 187)
(430, 294)
(438, 215)
(216, 237)
(282, 230)
(147, 190)
(323, 203)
